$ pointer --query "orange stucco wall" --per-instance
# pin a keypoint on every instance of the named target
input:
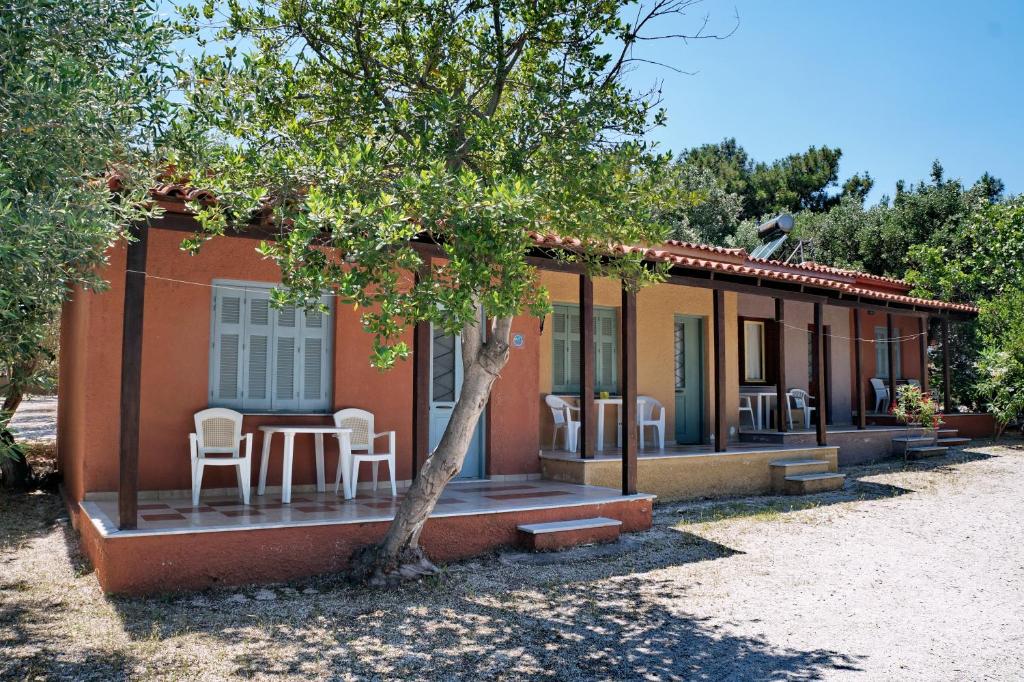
(175, 361)
(910, 360)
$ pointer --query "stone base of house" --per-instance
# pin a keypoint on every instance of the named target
(743, 470)
(856, 446)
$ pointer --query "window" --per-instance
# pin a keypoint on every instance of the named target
(882, 353)
(262, 358)
(753, 351)
(565, 355)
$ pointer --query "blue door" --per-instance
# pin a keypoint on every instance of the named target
(689, 355)
(445, 387)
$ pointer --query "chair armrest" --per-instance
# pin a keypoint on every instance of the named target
(391, 440)
(572, 408)
(248, 445)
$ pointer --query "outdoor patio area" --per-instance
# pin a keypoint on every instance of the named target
(168, 515)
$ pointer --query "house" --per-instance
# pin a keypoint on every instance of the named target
(177, 333)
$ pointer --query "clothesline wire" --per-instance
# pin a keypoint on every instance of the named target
(231, 287)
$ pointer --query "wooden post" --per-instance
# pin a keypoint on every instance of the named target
(588, 412)
(890, 349)
(628, 378)
(947, 399)
(858, 372)
(818, 358)
(420, 387)
(131, 377)
(718, 313)
(922, 326)
(780, 360)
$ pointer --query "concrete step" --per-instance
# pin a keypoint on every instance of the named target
(902, 444)
(808, 484)
(926, 451)
(953, 441)
(947, 433)
(561, 534)
(782, 468)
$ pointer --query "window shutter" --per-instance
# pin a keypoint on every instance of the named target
(606, 355)
(315, 353)
(881, 353)
(258, 344)
(286, 346)
(228, 325)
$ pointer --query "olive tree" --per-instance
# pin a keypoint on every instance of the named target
(465, 124)
(81, 97)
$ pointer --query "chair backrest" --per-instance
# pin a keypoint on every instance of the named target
(646, 406)
(914, 382)
(799, 397)
(557, 406)
(361, 423)
(219, 430)
(879, 386)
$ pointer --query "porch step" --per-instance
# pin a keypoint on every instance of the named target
(953, 441)
(947, 433)
(808, 484)
(781, 469)
(926, 451)
(541, 537)
(903, 444)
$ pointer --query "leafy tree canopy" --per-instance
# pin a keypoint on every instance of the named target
(81, 87)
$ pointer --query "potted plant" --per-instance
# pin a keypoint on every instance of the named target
(916, 410)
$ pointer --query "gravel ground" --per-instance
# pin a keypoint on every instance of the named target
(912, 572)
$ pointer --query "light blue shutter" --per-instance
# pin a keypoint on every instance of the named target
(285, 358)
(225, 384)
(315, 356)
(560, 382)
(606, 350)
(257, 349)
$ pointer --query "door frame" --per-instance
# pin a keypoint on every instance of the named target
(702, 325)
(480, 433)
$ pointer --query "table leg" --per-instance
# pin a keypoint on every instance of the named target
(600, 427)
(618, 427)
(346, 464)
(264, 459)
(760, 422)
(321, 485)
(286, 471)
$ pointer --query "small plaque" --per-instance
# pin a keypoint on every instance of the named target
(518, 340)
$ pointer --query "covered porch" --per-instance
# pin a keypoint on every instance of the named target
(174, 544)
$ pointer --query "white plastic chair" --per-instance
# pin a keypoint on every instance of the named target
(650, 414)
(747, 406)
(219, 432)
(562, 416)
(799, 399)
(363, 439)
(881, 394)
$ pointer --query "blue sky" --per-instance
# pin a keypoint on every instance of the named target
(893, 84)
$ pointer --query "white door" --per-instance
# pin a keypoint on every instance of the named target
(445, 387)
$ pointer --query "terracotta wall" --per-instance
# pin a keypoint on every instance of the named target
(799, 317)
(657, 307)
(175, 382)
(909, 349)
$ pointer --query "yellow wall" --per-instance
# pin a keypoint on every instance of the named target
(657, 307)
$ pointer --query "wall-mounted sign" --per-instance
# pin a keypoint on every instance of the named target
(518, 340)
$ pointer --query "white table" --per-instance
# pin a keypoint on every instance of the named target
(601, 404)
(761, 409)
(289, 433)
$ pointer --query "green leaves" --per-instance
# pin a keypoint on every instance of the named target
(361, 126)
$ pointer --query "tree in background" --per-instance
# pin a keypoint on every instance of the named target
(706, 213)
(361, 126)
(81, 95)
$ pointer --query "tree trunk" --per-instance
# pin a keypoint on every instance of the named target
(398, 557)
(15, 471)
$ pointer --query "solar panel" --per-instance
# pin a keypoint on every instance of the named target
(768, 249)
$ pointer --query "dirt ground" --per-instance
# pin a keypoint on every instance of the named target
(911, 572)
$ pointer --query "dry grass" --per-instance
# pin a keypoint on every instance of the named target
(717, 590)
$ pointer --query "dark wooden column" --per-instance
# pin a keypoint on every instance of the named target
(947, 399)
(628, 379)
(890, 349)
(131, 378)
(858, 372)
(588, 413)
(718, 313)
(819, 374)
(780, 362)
(922, 328)
(420, 387)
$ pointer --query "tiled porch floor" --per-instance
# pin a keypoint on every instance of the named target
(217, 513)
